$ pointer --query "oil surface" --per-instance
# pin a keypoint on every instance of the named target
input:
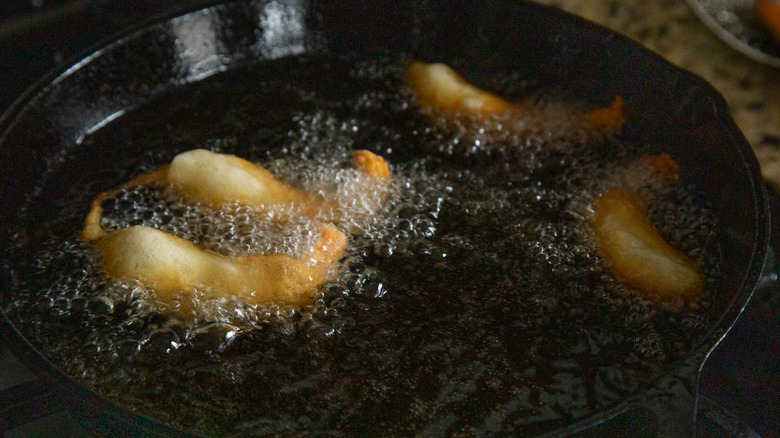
(471, 303)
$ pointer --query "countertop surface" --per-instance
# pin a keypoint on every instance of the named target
(671, 29)
(744, 373)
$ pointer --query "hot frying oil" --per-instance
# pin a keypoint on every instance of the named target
(471, 302)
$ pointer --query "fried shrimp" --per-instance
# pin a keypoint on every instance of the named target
(607, 119)
(92, 230)
(444, 90)
(439, 87)
(170, 266)
(215, 179)
(636, 252)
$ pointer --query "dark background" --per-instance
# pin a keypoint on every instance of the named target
(39, 36)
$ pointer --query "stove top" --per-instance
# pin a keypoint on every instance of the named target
(740, 382)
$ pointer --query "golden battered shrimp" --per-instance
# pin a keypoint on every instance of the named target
(92, 230)
(171, 266)
(439, 87)
(607, 119)
(371, 164)
(636, 252)
(216, 179)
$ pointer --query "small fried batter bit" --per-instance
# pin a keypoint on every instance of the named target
(665, 164)
(92, 230)
(442, 89)
(607, 119)
(172, 266)
(636, 252)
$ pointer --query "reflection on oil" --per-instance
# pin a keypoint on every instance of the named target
(197, 45)
(199, 51)
(282, 29)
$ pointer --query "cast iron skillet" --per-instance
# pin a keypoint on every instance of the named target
(664, 106)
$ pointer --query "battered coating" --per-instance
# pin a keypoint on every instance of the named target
(171, 266)
(636, 252)
(445, 91)
(92, 230)
(216, 179)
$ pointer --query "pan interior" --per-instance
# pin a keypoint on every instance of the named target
(475, 305)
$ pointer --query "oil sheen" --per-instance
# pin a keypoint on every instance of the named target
(472, 303)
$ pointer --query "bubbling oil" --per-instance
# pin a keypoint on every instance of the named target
(472, 302)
